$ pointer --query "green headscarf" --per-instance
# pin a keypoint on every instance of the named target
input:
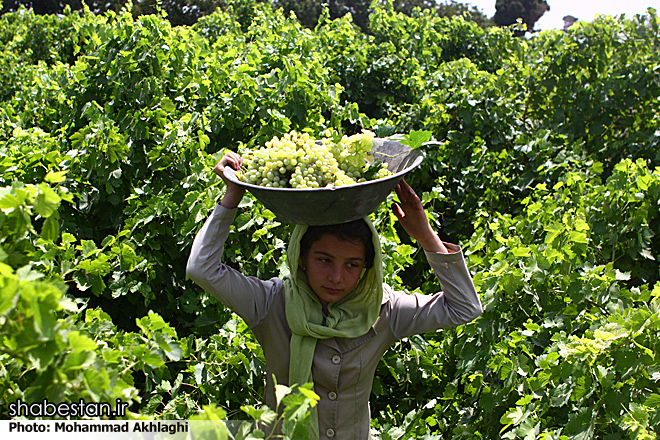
(350, 317)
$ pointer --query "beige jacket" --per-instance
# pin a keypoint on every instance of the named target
(343, 369)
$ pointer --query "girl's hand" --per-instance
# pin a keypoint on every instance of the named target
(232, 159)
(413, 218)
(234, 192)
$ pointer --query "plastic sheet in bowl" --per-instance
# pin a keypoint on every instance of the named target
(326, 206)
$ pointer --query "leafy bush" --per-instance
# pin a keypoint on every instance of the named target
(544, 166)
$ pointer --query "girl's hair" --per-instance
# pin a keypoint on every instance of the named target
(355, 231)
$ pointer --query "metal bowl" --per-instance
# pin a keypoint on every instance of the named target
(326, 206)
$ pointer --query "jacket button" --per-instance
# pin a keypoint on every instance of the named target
(330, 432)
(336, 359)
(332, 395)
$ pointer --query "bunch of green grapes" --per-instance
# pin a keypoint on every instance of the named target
(298, 161)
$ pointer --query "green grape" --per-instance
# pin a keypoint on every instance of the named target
(297, 161)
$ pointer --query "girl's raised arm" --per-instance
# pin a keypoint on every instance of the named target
(413, 219)
(249, 297)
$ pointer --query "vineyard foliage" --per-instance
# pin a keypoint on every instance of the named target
(544, 168)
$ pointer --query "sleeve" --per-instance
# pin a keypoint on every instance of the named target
(458, 303)
(248, 297)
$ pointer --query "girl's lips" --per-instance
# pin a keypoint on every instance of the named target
(332, 290)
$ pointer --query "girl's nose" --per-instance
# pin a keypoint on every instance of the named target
(335, 274)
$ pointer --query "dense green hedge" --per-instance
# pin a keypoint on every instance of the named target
(543, 168)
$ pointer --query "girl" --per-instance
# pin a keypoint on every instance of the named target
(330, 320)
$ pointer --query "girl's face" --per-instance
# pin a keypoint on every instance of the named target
(333, 267)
